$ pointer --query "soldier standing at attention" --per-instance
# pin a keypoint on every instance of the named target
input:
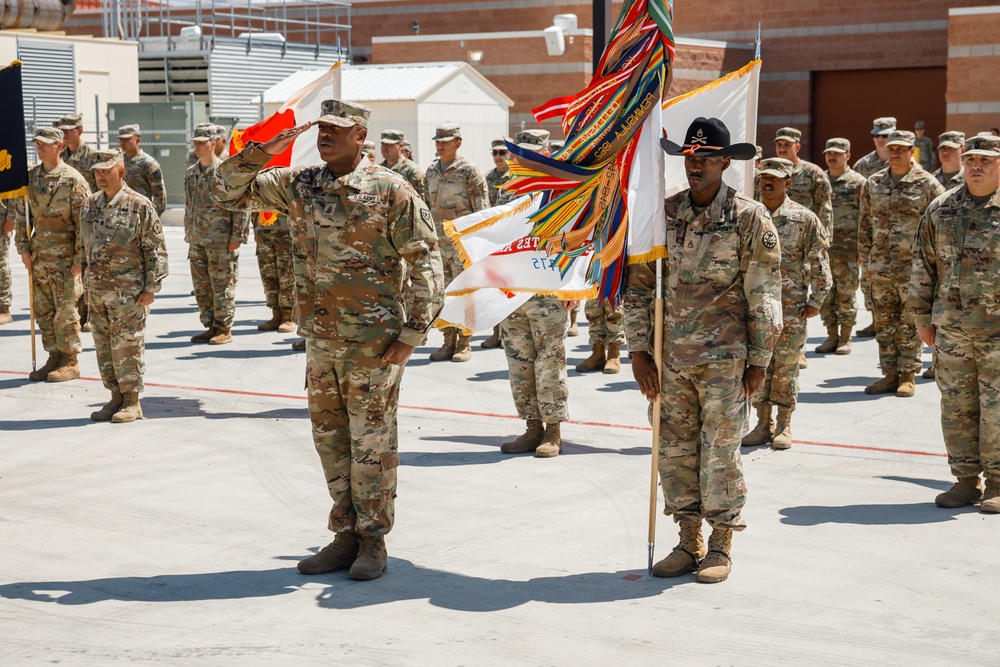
(840, 311)
(273, 236)
(219, 139)
(142, 172)
(950, 174)
(393, 159)
(722, 315)
(53, 255)
(214, 236)
(455, 187)
(924, 147)
(127, 261)
(192, 157)
(496, 177)
(805, 282)
(6, 230)
(406, 150)
(954, 289)
(892, 202)
(359, 232)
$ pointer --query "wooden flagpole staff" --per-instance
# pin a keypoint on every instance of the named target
(657, 404)
(31, 288)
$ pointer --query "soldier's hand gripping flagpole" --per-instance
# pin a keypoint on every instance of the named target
(31, 288)
(658, 360)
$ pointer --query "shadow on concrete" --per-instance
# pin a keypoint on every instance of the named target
(627, 385)
(165, 407)
(15, 382)
(442, 458)
(853, 381)
(927, 483)
(166, 346)
(38, 424)
(870, 515)
(488, 376)
(228, 352)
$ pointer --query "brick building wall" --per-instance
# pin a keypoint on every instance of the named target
(973, 62)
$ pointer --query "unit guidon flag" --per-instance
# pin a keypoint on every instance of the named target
(13, 147)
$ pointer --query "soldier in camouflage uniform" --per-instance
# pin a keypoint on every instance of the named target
(455, 187)
(273, 236)
(722, 315)
(220, 137)
(892, 202)
(950, 174)
(52, 254)
(127, 261)
(6, 230)
(954, 289)
(496, 177)
(805, 282)
(839, 311)
(214, 236)
(393, 159)
(359, 232)
(924, 147)
(192, 157)
(406, 150)
(142, 172)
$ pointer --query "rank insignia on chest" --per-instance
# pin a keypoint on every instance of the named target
(769, 240)
(364, 198)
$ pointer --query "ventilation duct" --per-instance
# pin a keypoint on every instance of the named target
(38, 14)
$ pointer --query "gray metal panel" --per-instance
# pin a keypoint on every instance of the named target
(49, 80)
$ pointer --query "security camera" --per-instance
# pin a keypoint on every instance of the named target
(416, 27)
(555, 42)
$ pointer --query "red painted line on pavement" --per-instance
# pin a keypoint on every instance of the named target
(496, 415)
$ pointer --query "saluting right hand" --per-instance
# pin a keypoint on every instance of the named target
(282, 140)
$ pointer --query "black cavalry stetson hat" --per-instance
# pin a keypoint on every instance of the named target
(708, 137)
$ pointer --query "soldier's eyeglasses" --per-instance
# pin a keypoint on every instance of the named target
(501, 152)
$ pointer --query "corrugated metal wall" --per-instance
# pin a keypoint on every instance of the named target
(49, 80)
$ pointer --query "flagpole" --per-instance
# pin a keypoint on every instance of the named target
(31, 287)
(658, 361)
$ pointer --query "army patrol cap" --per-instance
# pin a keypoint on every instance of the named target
(883, 126)
(69, 121)
(789, 134)
(532, 140)
(48, 135)
(982, 144)
(392, 137)
(204, 133)
(498, 143)
(556, 145)
(447, 132)
(920, 125)
(344, 114)
(760, 153)
(777, 166)
(107, 159)
(405, 145)
(837, 145)
(901, 138)
(128, 131)
(951, 139)
(368, 148)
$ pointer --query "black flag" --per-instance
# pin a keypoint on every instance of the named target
(13, 148)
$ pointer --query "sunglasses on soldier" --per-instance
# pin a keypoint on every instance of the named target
(500, 151)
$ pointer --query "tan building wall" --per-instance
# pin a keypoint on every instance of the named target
(973, 62)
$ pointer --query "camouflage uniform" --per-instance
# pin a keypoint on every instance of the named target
(840, 308)
(804, 265)
(126, 254)
(5, 280)
(143, 173)
(494, 179)
(722, 295)
(811, 188)
(413, 174)
(604, 323)
(209, 229)
(534, 340)
(454, 190)
(83, 160)
(950, 181)
(356, 239)
(890, 215)
(274, 259)
(870, 164)
(928, 153)
(54, 199)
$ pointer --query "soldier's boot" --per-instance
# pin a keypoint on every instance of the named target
(273, 323)
(463, 348)
(68, 369)
(447, 349)
(886, 385)
(867, 332)
(110, 408)
(527, 441)
(299, 345)
(372, 559)
(222, 336)
(130, 410)
(966, 491)
(688, 552)
(204, 336)
(929, 373)
(337, 555)
(574, 328)
(5, 316)
(991, 498)
(613, 364)
(844, 340)
(783, 430)
(906, 387)
(763, 432)
(803, 361)
(717, 564)
(287, 324)
(831, 342)
(493, 341)
(43, 373)
(595, 362)
(551, 444)
(84, 315)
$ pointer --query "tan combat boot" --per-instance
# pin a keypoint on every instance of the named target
(595, 362)
(991, 498)
(886, 385)
(130, 410)
(273, 323)
(5, 316)
(372, 559)
(613, 364)
(844, 340)
(43, 372)
(832, 339)
(223, 335)
(68, 369)
(803, 361)
(763, 432)
(966, 491)
(447, 349)
(463, 348)
(717, 564)
(929, 373)
(906, 387)
(110, 408)
(551, 444)
(528, 441)
(783, 430)
(688, 552)
(493, 341)
(868, 331)
(574, 328)
(299, 345)
(204, 336)
(337, 555)
(287, 324)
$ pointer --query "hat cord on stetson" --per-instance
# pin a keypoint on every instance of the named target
(689, 149)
